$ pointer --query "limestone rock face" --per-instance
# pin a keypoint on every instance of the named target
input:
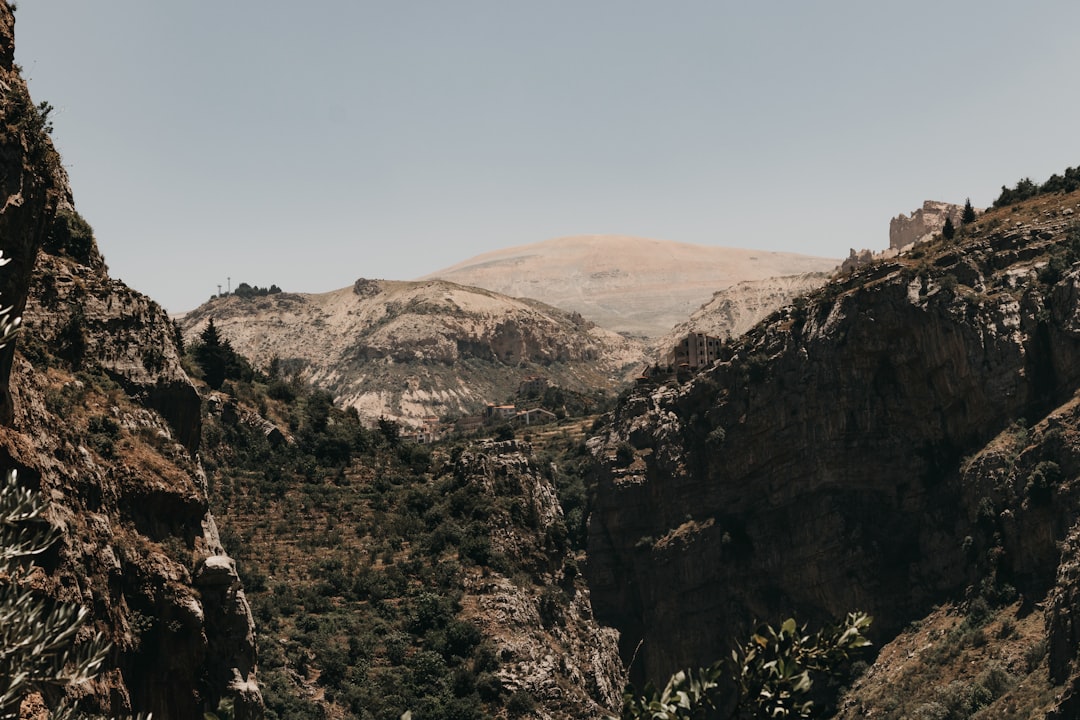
(547, 639)
(89, 317)
(853, 452)
(734, 310)
(922, 223)
(409, 350)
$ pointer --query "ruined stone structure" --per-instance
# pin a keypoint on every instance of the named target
(925, 221)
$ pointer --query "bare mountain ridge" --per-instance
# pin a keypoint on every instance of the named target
(631, 285)
(735, 309)
(410, 350)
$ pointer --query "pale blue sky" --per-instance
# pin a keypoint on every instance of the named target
(311, 143)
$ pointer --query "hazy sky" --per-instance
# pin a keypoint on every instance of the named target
(311, 143)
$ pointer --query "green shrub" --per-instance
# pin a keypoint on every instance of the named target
(71, 235)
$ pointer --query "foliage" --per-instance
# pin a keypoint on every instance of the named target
(33, 122)
(770, 676)
(353, 550)
(243, 290)
(948, 231)
(72, 235)
(968, 215)
(218, 360)
(38, 638)
(1026, 188)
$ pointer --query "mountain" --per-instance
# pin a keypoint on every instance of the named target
(630, 285)
(903, 441)
(739, 307)
(410, 350)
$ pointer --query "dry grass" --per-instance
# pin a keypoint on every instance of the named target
(952, 663)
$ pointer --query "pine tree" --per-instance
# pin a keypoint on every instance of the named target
(212, 356)
(968, 216)
(948, 231)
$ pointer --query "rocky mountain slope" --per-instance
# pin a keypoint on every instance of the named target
(630, 285)
(388, 576)
(99, 416)
(408, 350)
(735, 309)
(902, 437)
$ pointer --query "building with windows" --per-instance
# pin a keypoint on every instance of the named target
(696, 351)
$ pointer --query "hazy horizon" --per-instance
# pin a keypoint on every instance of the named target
(306, 146)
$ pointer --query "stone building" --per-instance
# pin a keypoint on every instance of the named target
(696, 351)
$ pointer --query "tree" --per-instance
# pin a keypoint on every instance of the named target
(948, 231)
(218, 360)
(770, 676)
(391, 430)
(211, 356)
(968, 216)
(178, 337)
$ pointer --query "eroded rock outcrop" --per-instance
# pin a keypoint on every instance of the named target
(820, 466)
(547, 639)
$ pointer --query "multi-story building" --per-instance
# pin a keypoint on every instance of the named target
(696, 351)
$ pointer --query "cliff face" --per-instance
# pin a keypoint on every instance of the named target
(544, 631)
(734, 310)
(101, 418)
(821, 467)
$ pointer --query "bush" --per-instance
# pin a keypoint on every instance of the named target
(520, 703)
(71, 235)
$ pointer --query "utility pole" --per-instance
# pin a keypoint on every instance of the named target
(230, 284)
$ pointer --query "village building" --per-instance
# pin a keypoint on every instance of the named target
(696, 351)
(532, 386)
(534, 416)
(500, 412)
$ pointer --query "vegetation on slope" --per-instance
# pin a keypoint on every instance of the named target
(354, 545)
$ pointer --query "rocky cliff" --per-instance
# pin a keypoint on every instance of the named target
(408, 350)
(551, 646)
(830, 461)
(734, 310)
(103, 421)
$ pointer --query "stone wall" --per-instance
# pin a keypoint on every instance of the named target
(927, 220)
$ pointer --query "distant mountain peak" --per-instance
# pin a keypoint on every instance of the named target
(632, 285)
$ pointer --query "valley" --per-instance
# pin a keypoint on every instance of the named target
(247, 506)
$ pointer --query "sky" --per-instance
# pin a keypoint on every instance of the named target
(308, 144)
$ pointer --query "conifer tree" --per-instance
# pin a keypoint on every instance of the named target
(212, 356)
(948, 231)
(968, 216)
